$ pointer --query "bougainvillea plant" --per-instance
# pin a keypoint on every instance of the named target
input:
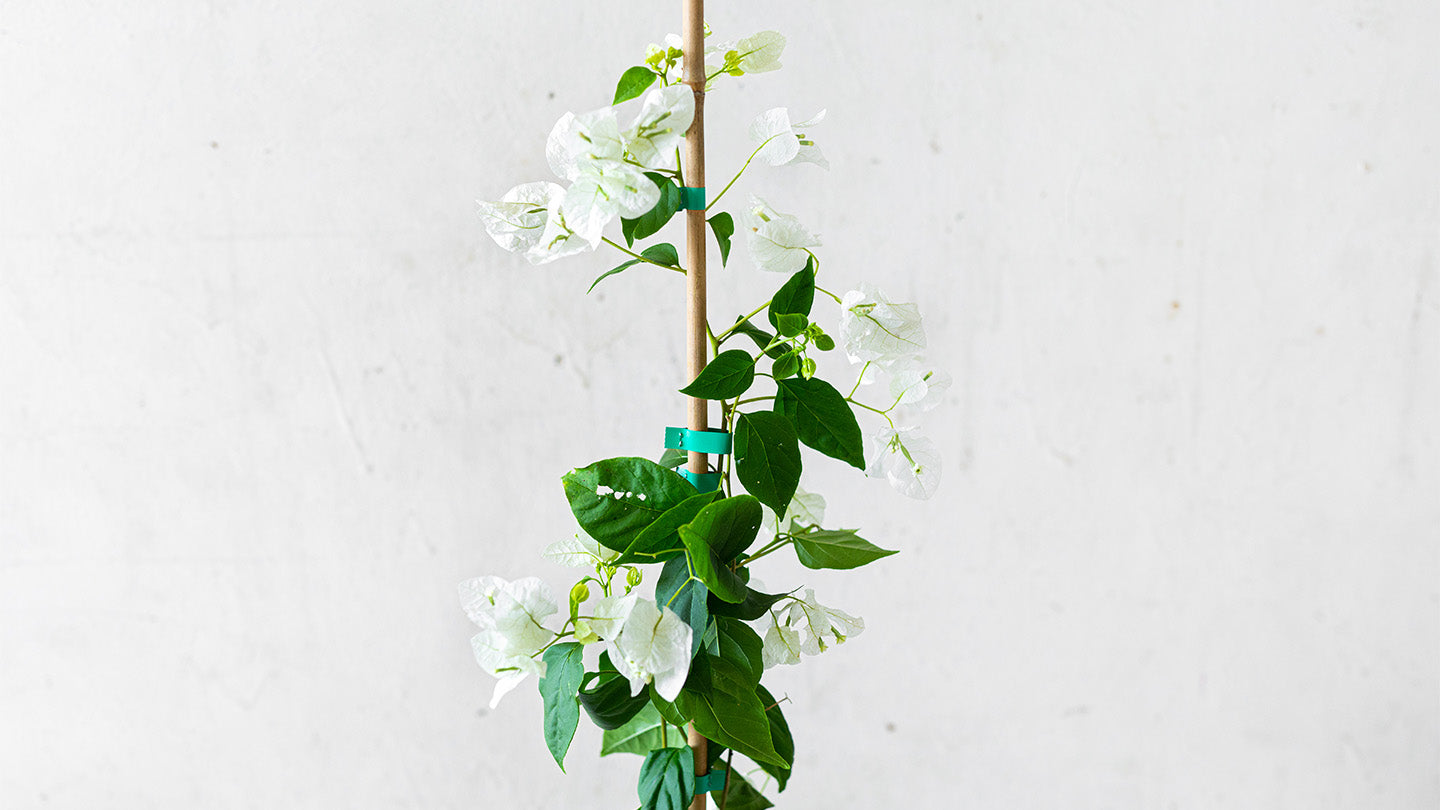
(665, 626)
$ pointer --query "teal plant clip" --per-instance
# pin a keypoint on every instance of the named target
(710, 442)
(709, 782)
(692, 199)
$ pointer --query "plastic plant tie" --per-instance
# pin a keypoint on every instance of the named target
(705, 482)
(692, 199)
(714, 780)
(710, 442)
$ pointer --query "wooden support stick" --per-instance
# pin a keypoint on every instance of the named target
(696, 333)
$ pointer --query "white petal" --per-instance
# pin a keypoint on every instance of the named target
(772, 133)
(761, 53)
(876, 329)
(654, 645)
(562, 238)
(777, 242)
(660, 126)
(917, 385)
(781, 644)
(518, 219)
(477, 597)
(807, 508)
(909, 461)
(610, 614)
(579, 552)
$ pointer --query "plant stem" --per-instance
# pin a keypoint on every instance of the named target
(635, 255)
(711, 204)
(727, 332)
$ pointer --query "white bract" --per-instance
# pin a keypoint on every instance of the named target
(909, 461)
(917, 385)
(511, 618)
(580, 552)
(806, 626)
(517, 221)
(875, 329)
(779, 142)
(647, 643)
(660, 126)
(777, 242)
(759, 53)
(806, 508)
(589, 151)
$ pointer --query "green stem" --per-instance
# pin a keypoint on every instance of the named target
(711, 204)
(635, 255)
(873, 410)
(757, 311)
(837, 298)
(738, 403)
(858, 380)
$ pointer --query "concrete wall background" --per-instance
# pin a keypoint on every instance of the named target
(267, 392)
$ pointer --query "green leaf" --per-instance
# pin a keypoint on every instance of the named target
(606, 697)
(740, 795)
(779, 735)
(723, 225)
(650, 222)
(791, 325)
(824, 342)
(822, 418)
(767, 457)
(718, 534)
(659, 541)
(741, 645)
(633, 82)
(663, 253)
(605, 497)
(755, 605)
(641, 735)
(667, 779)
(564, 670)
(730, 712)
(673, 458)
(841, 549)
(795, 297)
(760, 336)
(692, 604)
(728, 376)
(787, 366)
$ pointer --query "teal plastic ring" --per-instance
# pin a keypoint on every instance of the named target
(692, 199)
(705, 482)
(713, 442)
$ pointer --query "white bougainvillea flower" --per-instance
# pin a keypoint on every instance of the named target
(805, 626)
(876, 329)
(517, 221)
(917, 385)
(647, 643)
(579, 552)
(909, 461)
(589, 151)
(821, 627)
(781, 644)
(780, 142)
(577, 139)
(761, 52)
(564, 235)
(511, 617)
(806, 508)
(661, 124)
(777, 242)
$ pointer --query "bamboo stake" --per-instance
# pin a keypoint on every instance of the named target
(696, 348)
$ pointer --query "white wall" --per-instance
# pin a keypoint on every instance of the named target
(267, 392)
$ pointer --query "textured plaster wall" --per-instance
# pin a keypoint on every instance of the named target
(267, 392)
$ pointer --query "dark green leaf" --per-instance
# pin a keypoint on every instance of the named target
(836, 549)
(632, 83)
(564, 670)
(718, 534)
(728, 376)
(767, 457)
(641, 735)
(730, 712)
(606, 696)
(605, 497)
(650, 222)
(740, 645)
(667, 779)
(795, 297)
(673, 458)
(791, 325)
(779, 735)
(663, 253)
(724, 227)
(787, 366)
(755, 605)
(659, 541)
(692, 604)
(822, 418)
(740, 795)
(760, 336)
(824, 342)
